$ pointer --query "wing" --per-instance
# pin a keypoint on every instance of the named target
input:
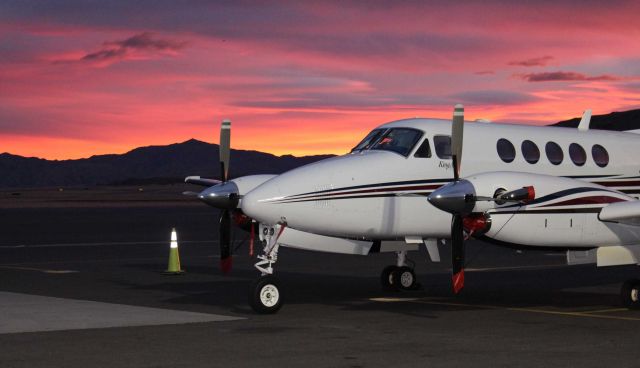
(201, 181)
(622, 212)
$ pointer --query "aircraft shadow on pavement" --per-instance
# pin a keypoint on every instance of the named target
(560, 287)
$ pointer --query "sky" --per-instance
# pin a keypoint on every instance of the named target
(82, 78)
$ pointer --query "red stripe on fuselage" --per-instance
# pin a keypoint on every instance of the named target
(631, 183)
(586, 200)
(376, 190)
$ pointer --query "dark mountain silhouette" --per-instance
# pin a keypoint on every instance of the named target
(170, 164)
(618, 121)
(154, 164)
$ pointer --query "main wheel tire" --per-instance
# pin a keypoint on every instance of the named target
(404, 278)
(265, 295)
(386, 278)
(630, 294)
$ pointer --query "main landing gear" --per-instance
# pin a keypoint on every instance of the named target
(265, 293)
(400, 276)
(630, 294)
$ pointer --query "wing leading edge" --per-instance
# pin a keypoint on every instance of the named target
(627, 213)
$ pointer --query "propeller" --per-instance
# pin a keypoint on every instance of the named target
(457, 229)
(224, 230)
(459, 198)
(224, 195)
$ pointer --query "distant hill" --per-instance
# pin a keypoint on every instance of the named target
(153, 164)
(618, 121)
(170, 164)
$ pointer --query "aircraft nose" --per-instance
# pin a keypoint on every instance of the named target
(457, 198)
(223, 195)
(261, 204)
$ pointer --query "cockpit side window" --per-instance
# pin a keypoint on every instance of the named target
(369, 140)
(442, 144)
(424, 151)
(399, 140)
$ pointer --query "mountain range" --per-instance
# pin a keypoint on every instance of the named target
(153, 164)
(618, 121)
(170, 164)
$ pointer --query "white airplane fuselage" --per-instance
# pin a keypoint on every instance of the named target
(381, 194)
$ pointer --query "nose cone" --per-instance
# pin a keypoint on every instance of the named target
(457, 198)
(224, 195)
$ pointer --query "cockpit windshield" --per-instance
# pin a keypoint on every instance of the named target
(369, 140)
(399, 140)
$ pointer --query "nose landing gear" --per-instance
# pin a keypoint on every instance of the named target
(265, 293)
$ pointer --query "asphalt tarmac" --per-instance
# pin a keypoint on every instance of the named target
(83, 287)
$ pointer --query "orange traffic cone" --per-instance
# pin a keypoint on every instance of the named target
(174, 256)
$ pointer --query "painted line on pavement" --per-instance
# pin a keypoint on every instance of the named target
(587, 314)
(102, 244)
(57, 272)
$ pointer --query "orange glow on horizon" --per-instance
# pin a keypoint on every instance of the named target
(304, 80)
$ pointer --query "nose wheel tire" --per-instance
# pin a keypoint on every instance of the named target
(404, 278)
(265, 295)
(630, 294)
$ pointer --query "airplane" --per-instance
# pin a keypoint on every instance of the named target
(413, 182)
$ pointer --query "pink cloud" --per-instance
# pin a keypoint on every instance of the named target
(537, 61)
(565, 76)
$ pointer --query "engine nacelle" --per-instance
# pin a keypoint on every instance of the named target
(564, 212)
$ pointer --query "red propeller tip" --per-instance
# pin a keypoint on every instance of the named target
(458, 282)
(225, 265)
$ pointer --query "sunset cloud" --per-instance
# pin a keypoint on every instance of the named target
(537, 61)
(289, 72)
(116, 50)
(565, 76)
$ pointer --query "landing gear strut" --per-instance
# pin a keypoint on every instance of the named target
(630, 294)
(400, 276)
(265, 293)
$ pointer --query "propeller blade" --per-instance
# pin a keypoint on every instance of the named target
(457, 129)
(226, 260)
(201, 181)
(457, 253)
(225, 148)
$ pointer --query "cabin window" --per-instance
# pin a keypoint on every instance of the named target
(442, 143)
(369, 140)
(506, 150)
(424, 151)
(399, 140)
(577, 154)
(530, 151)
(554, 153)
(600, 155)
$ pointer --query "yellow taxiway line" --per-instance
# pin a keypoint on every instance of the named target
(587, 314)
